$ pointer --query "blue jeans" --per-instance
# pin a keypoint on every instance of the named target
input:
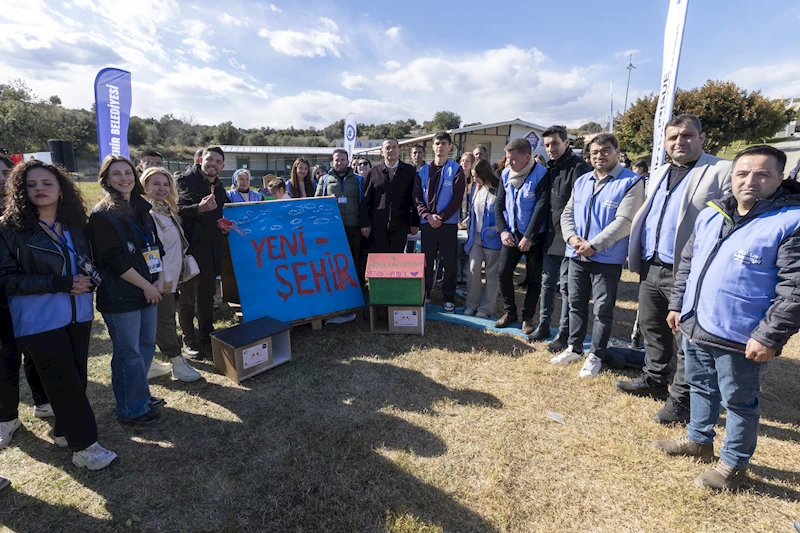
(555, 271)
(718, 377)
(133, 336)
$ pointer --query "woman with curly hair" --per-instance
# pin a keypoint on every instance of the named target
(162, 193)
(11, 356)
(130, 259)
(46, 271)
(300, 184)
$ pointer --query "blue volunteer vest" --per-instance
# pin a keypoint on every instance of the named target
(521, 202)
(665, 209)
(236, 197)
(489, 237)
(593, 212)
(444, 188)
(732, 282)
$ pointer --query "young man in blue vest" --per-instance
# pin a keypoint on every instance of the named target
(737, 302)
(659, 232)
(596, 223)
(438, 191)
(563, 169)
(521, 211)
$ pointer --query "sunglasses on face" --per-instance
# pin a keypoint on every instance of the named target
(363, 163)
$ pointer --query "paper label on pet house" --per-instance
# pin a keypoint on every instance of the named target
(395, 266)
(255, 355)
(406, 318)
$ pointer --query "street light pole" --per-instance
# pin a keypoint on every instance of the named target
(630, 67)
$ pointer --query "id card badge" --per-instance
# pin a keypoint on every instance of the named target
(152, 256)
(342, 199)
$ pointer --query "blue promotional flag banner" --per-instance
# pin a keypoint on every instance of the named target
(350, 132)
(112, 98)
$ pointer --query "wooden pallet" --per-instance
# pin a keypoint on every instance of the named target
(316, 322)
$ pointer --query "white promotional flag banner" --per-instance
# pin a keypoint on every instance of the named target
(611, 120)
(350, 134)
(673, 39)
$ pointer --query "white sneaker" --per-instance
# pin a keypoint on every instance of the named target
(158, 369)
(7, 430)
(591, 367)
(43, 411)
(61, 442)
(182, 370)
(568, 356)
(94, 457)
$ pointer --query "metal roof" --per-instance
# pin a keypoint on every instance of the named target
(279, 150)
(467, 129)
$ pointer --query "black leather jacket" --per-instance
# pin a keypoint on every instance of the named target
(32, 263)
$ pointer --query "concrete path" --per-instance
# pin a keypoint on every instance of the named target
(792, 149)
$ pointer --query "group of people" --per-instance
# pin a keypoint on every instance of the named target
(721, 304)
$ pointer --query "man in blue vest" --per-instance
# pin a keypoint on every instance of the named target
(521, 211)
(563, 169)
(596, 223)
(737, 303)
(438, 191)
(659, 232)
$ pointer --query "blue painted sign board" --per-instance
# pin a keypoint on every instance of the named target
(291, 259)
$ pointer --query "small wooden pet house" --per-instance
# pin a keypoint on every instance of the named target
(396, 279)
(397, 293)
(244, 350)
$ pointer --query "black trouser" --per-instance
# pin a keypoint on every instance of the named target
(660, 342)
(354, 239)
(598, 282)
(10, 356)
(386, 241)
(61, 356)
(444, 242)
(197, 295)
(534, 257)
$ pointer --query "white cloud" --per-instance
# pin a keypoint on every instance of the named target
(201, 49)
(328, 24)
(275, 9)
(354, 82)
(235, 64)
(391, 65)
(87, 4)
(776, 80)
(308, 44)
(627, 53)
(393, 32)
(232, 21)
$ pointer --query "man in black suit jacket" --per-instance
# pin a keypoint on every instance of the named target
(388, 213)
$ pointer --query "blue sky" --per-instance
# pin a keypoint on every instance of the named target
(310, 63)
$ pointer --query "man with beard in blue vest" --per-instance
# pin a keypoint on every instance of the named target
(737, 302)
(438, 191)
(596, 224)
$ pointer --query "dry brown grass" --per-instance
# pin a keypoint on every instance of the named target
(363, 433)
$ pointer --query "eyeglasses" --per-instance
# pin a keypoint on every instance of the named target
(604, 152)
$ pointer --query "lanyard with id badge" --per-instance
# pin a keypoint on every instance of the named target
(83, 262)
(151, 253)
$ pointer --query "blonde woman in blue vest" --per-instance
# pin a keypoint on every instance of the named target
(162, 193)
(484, 244)
(596, 225)
(438, 192)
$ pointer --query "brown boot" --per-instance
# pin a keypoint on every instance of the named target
(683, 446)
(527, 327)
(506, 320)
(721, 477)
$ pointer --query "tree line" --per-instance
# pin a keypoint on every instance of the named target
(729, 113)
